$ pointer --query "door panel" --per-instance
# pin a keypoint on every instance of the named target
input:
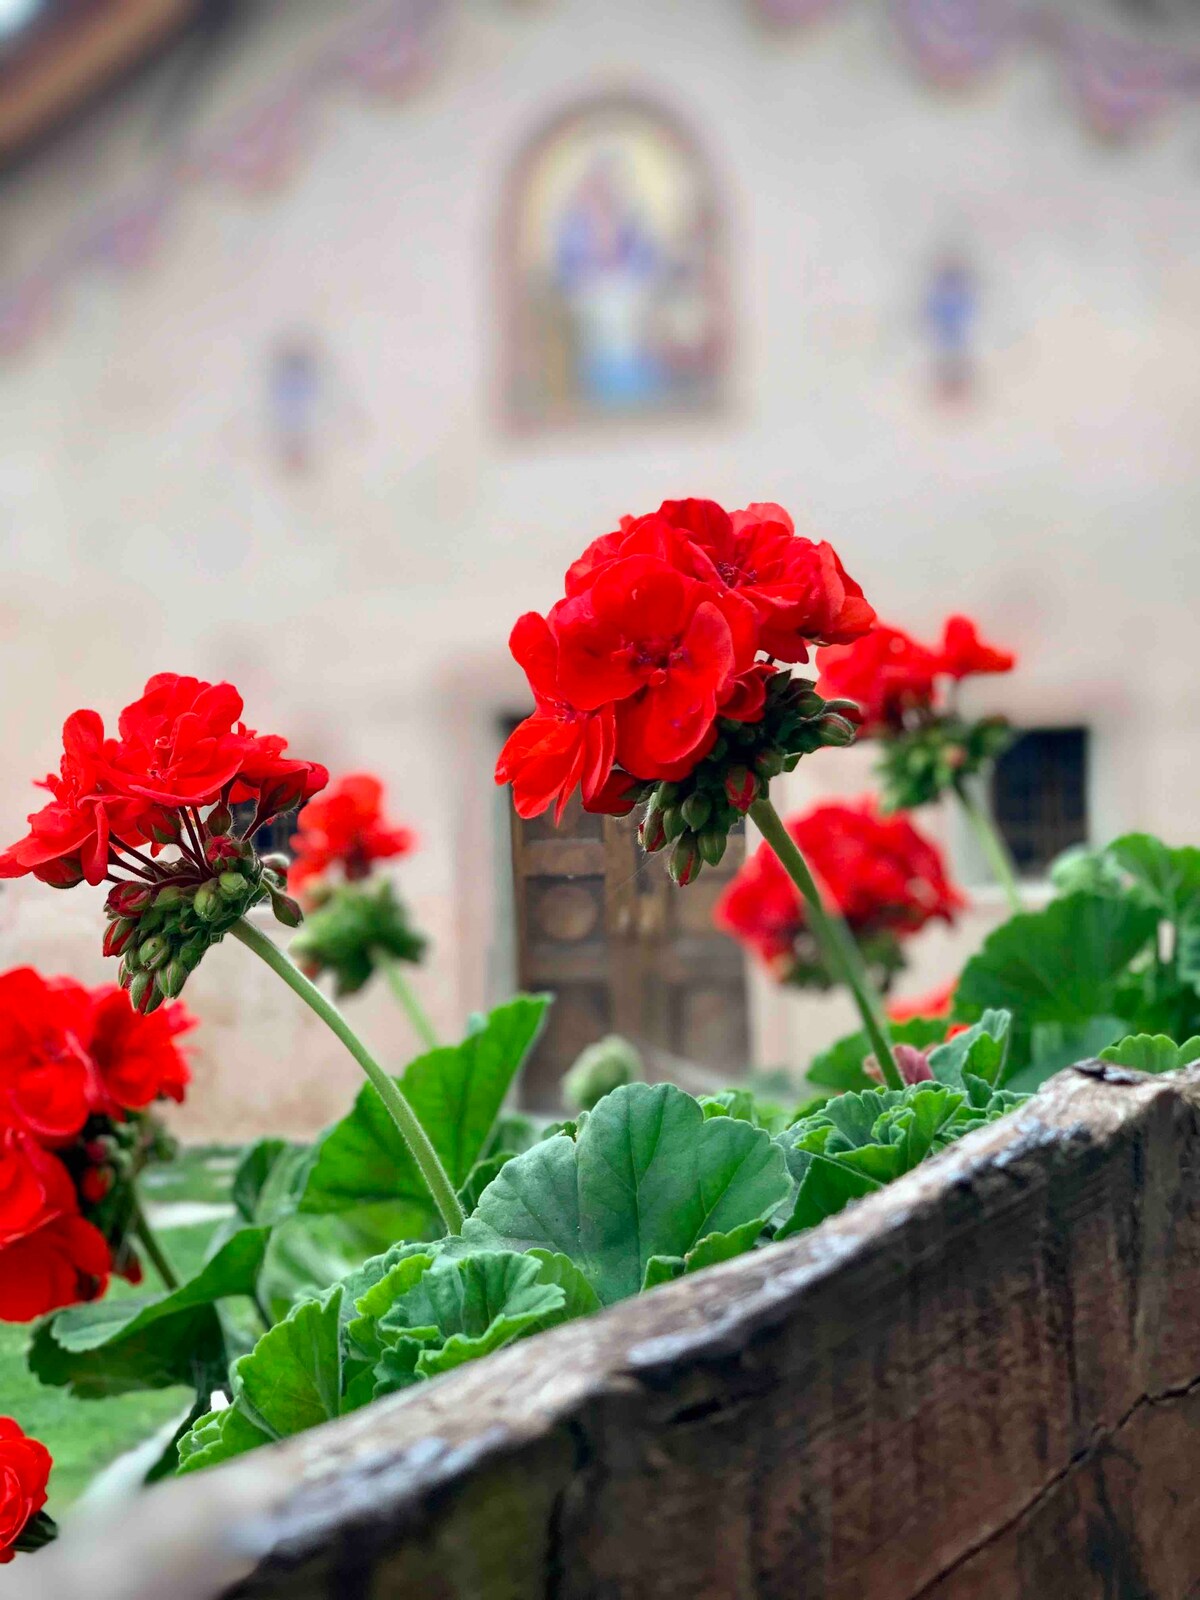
(624, 950)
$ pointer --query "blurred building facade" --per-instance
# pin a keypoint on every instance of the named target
(307, 437)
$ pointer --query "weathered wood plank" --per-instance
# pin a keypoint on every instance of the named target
(984, 1381)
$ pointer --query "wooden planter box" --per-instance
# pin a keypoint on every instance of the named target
(983, 1382)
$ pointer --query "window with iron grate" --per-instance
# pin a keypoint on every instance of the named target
(1039, 796)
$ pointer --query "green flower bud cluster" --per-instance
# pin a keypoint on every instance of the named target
(355, 926)
(693, 816)
(598, 1070)
(162, 930)
(921, 764)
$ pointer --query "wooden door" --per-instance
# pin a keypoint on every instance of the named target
(624, 951)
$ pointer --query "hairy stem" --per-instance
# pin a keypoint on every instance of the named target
(992, 844)
(401, 1113)
(413, 1008)
(834, 938)
(149, 1242)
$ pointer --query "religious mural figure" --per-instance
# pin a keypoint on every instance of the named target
(612, 271)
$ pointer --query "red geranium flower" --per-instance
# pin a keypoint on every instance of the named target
(663, 649)
(346, 827)
(60, 1263)
(135, 1059)
(559, 748)
(277, 782)
(879, 872)
(178, 744)
(655, 642)
(935, 1003)
(34, 1185)
(887, 672)
(68, 840)
(964, 653)
(45, 1067)
(800, 590)
(24, 1472)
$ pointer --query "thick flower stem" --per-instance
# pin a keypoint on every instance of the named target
(401, 1113)
(413, 1008)
(837, 944)
(149, 1242)
(992, 844)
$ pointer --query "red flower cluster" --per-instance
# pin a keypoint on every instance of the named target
(659, 634)
(74, 1064)
(879, 871)
(890, 674)
(24, 1472)
(346, 827)
(180, 746)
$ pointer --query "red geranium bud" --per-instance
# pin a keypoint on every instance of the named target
(652, 835)
(141, 987)
(741, 787)
(129, 899)
(131, 1269)
(685, 862)
(287, 910)
(118, 934)
(95, 1184)
(222, 852)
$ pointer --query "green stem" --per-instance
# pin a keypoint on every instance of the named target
(837, 944)
(413, 1008)
(992, 844)
(148, 1240)
(401, 1113)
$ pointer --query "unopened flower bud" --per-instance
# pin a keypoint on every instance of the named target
(836, 730)
(287, 910)
(221, 853)
(276, 862)
(140, 990)
(169, 895)
(208, 902)
(696, 809)
(711, 843)
(193, 952)
(173, 977)
(129, 899)
(232, 885)
(652, 835)
(673, 822)
(152, 953)
(118, 934)
(741, 787)
(100, 1150)
(219, 820)
(769, 764)
(95, 1184)
(685, 861)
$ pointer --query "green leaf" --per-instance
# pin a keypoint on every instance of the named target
(859, 1142)
(579, 1298)
(399, 1278)
(476, 1305)
(1168, 878)
(1060, 964)
(841, 1066)
(116, 1346)
(712, 1249)
(978, 1054)
(480, 1176)
(1146, 1052)
(647, 1176)
(291, 1380)
(219, 1436)
(268, 1179)
(456, 1092)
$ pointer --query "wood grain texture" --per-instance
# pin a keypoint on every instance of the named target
(984, 1381)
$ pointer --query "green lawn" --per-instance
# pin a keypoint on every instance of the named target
(85, 1435)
